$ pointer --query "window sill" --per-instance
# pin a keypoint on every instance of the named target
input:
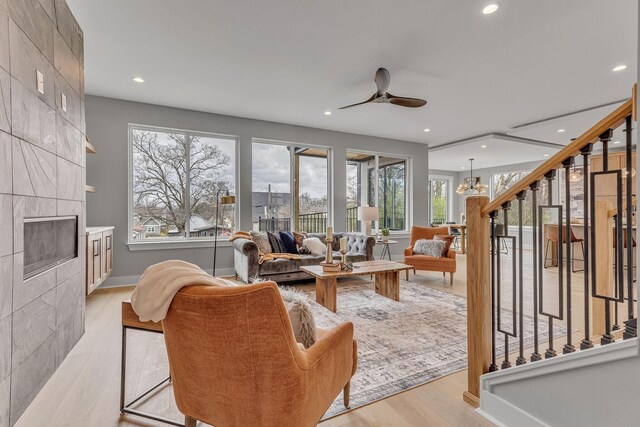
(146, 245)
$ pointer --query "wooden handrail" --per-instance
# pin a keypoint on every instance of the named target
(612, 121)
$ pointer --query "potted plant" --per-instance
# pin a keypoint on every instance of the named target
(385, 234)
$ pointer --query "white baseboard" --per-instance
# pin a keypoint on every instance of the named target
(123, 281)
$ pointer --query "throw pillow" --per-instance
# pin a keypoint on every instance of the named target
(431, 248)
(299, 237)
(448, 240)
(315, 246)
(304, 326)
(276, 243)
(288, 242)
(262, 240)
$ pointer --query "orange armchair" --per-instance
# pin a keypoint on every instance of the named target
(427, 263)
(235, 361)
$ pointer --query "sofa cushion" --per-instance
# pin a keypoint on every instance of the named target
(288, 242)
(276, 243)
(261, 239)
(351, 256)
(279, 265)
(311, 259)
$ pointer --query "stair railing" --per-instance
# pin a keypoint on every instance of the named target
(514, 301)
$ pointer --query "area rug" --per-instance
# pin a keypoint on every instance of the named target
(402, 344)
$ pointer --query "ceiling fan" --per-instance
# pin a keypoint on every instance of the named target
(382, 79)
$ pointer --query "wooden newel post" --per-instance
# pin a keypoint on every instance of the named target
(478, 296)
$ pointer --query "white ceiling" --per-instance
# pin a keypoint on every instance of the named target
(289, 61)
(499, 150)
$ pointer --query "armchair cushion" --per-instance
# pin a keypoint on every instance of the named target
(448, 240)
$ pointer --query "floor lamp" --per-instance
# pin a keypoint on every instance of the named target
(224, 200)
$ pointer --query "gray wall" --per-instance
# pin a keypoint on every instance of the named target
(41, 174)
(107, 121)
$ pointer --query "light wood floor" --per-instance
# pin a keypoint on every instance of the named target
(85, 389)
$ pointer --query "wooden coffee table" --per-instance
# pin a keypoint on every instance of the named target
(387, 279)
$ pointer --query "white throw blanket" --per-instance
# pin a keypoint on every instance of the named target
(161, 282)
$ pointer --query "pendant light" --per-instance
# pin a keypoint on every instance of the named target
(472, 185)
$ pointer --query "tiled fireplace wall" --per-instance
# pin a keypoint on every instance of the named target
(41, 175)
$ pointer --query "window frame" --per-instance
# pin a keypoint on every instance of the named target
(177, 243)
(330, 204)
(450, 196)
(408, 183)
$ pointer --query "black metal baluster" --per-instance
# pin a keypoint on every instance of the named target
(630, 325)
(607, 338)
(534, 230)
(586, 342)
(549, 176)
(506, 363)
(493, 367)
(567, 163)
(520, 360)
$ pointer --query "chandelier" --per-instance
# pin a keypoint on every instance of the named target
(472, 185)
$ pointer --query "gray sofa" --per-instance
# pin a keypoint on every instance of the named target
(245, 258)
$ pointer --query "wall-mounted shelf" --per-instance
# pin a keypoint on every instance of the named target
(90, 188)
(88, 147)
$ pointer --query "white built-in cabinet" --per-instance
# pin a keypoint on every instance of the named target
(99, 255)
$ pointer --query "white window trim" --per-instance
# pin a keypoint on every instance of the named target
(330, 213)
(408, 178)
(450, 180)
(178, 243)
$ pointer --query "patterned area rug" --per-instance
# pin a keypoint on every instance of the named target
(401, 344)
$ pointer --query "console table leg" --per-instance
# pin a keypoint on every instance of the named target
(326, 292)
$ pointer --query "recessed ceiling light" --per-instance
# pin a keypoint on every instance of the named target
(138, 79)
(327, 113)
(616, 142)
(427, 130)
(490, 8)
(483, 146)
(463, 167)
(619, 67)
(546, 155)
(560, 130)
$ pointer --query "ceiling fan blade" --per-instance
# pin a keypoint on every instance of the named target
(360, 103)
(382, 79)
(406, 102)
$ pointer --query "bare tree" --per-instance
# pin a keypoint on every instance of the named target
(160, 177)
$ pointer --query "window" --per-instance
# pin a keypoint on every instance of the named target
(290, 187)
(439, 195)
(377, 180)
(176, 176)
(391, 193)
(503, 181)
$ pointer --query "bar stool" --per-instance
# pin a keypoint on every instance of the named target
(499, 230)
(130, 320)
(552, 236)
(455, 233)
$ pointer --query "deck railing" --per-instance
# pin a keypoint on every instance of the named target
(516, 293)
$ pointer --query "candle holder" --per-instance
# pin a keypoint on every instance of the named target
(329, 256)
(343, 252)
(329, 265)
